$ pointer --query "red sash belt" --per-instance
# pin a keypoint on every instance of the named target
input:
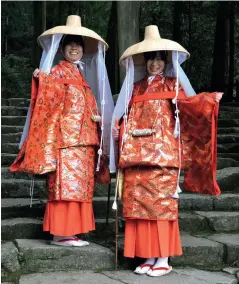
(157, 96)
(71, 82)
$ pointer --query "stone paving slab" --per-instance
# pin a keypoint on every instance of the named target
(23, 228)
(228, 178)
(231, 243)
(199, 252)
(178, 276)
(231, 270)
(222, 221)
(227, 202)
(40, 256)
(9, 258)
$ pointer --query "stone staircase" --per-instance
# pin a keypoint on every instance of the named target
(209, 224)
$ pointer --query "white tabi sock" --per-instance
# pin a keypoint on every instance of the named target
(149, 261)
(57, 238)
(161, 262)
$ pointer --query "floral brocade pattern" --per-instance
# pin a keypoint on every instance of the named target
(148, 193)
(151, 163)
(74, 177)
(199, 134)
(160, 148)
(62, 137)
(150, 175)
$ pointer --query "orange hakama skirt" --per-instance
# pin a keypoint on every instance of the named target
(68, 218)
(146, 238)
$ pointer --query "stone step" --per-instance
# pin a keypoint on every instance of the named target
(226, 138)
(228, 148)
(29, 256)
(18, 188)
(13, 111)
(228, 114)
(20, 207)
(4, 102)
(10, 148)
(198, 252)
(228, 179)
(7, 159)
(29, 228)
(231, 244)
(221, 221)
(204, 252)
(13, 148)
(17, 184)
(8, 129)
(13, 120)
(229, 108)
(199, 223)
(184, 275)
(228, 122)
(230, 104)
(19, 102)
(234, 156)
(228, 130)
(226, 163)
(11, 137)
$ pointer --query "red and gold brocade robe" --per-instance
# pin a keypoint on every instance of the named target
(151, 163)
(62, 136)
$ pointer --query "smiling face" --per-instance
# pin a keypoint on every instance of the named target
(155, 66)
(155, 62)
(72, 47)
(73, 51)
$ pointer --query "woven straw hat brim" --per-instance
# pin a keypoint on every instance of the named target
(147, 45)
(91, 38)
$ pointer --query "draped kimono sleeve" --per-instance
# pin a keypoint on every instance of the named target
(38, 153)
(198, 117)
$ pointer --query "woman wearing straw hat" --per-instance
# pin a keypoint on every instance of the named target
(60, 135)
(151, 154)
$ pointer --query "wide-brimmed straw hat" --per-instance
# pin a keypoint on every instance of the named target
(152, 42)
(73, 27)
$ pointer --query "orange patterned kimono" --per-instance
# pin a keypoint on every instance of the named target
(151, 164)
(61, 143)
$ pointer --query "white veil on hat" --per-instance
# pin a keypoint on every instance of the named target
(94, 71)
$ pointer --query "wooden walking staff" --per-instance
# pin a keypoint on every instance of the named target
(115, 205)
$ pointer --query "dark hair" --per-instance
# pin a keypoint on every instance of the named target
(163, 54)
(73, 38)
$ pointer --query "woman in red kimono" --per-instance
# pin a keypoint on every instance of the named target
(63, 135)
(150, 159)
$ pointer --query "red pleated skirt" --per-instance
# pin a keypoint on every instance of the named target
(68, 218)
(146, 238)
